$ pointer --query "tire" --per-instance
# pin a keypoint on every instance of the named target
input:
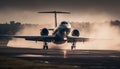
(73, 47)
(45, 47)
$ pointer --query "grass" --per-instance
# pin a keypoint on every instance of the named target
(15, 63)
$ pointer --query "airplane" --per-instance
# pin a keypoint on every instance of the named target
(60, 35)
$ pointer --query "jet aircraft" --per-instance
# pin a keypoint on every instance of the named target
(60, 34)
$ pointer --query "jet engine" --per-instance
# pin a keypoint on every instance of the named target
(75, 32)
(44, 31)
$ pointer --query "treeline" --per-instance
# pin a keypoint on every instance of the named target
(115, 23)
(9, 28)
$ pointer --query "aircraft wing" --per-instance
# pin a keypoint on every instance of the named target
(32, 38)
(76, 39)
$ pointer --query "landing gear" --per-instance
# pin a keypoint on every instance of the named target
(73, 46)
(45, 46)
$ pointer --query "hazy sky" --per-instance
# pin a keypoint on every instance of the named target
(81, 10)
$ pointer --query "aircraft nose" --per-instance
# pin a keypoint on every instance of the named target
(67, 26)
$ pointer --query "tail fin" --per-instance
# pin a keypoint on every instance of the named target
(55, 14)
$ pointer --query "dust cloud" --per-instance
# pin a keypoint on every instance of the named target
(103, 36)
(30, 30)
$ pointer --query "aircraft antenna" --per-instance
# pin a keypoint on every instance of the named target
(55, 14)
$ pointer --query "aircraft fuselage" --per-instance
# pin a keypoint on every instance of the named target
(62, 32)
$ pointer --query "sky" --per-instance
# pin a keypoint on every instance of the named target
(25, 11)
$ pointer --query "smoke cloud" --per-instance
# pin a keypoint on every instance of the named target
(103, 36)
(31, 30)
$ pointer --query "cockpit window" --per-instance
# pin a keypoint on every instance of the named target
(64, 23)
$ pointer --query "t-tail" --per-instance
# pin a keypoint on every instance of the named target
(55, 14)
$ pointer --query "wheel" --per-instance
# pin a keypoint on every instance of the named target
(45, 47)
(73, 47)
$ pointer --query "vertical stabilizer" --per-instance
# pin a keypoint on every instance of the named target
(55, 14)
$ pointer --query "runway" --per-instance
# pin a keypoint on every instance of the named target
(89, 59)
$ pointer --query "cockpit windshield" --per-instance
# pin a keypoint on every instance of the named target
(64, 22)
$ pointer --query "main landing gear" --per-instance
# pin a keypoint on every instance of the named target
(45, 46)
(73, 46)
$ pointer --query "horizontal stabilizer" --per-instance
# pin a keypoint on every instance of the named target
(55, 12)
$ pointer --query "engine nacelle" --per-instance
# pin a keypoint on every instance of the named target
(44, 31)
(75, 32)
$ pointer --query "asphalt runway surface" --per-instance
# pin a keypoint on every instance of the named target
(90, 59)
